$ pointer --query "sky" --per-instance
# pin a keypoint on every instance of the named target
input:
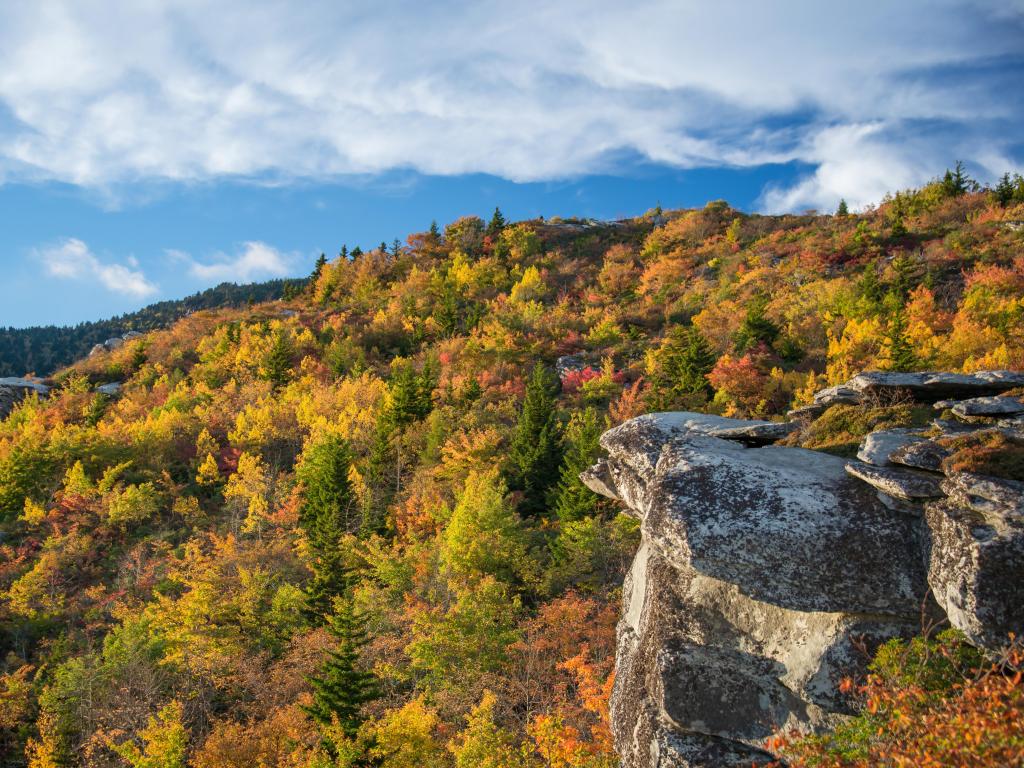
(150, 149)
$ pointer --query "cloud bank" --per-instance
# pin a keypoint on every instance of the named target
(872, 94)
(71, 259)
(255, 261)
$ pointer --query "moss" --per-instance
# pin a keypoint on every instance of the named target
(990, 452)
(841, 428)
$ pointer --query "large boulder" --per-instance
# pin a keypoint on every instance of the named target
(761, 570)
(14, 389)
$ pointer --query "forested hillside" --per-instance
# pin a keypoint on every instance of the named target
(44, 349)
(347, 528)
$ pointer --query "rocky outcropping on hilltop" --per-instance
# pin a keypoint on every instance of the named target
(766, 571)
(13, 390)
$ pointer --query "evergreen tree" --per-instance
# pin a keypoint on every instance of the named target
(277, 362)
(905, 276)
(899, 349)
(497, 224)
(396, 247)
(1003, 193)
(869, 286)
(843, 209)
(679, 369)
(357, 252)
(536, 450)
(318, 268)
(573, 500)
(342, 688)
(328, 511)
(756, 327)
(343, 253)
(434, 232)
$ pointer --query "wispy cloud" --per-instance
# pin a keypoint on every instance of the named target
(256, 260)
(530, 90)
(71, 259)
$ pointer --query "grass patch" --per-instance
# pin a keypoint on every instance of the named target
(840, 429)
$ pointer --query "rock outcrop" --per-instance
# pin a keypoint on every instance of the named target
(13, 390)
(767, 573)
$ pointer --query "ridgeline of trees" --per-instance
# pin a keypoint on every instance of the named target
(42, 350)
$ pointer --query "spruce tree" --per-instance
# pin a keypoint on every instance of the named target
(899, 349)
(342, 688)
(536, 451)
(328, 511)
(497, 223)
(572, 499)
(318, 268)
(277, 363)
(756, 327)
(434, 232)
(1003, 193)
(678, 370)
(843, 209)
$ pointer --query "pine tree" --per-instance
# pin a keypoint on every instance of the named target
(1003, 193)
(756, 327)
(318, 268)
(328, 511)
(342, 688)
(343, 253)
(536, 450)
(843, 209)
(573, 500)
(435, 233)
(277, 363)
(497, 223)
(899, 350)
(678, 370)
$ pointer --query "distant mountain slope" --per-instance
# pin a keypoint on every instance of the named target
(44, 349)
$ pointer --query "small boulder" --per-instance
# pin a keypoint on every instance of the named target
(920, 455)
(904, 484)
(988, 407)
(878, 447)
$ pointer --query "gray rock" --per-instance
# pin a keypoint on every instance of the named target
(15, 382)
(131, 335)
(114, 343)
(807, 412)
(976, 570)
(901, 483)
(920, 455)
(569, 363)
(14, 389)
(838, 395)
(950, 427)
(743, 430)
(109, 389)
(97, 349)
(985, 495)
(988, 406)
(931, 386)
(758, 569)
(879, 447)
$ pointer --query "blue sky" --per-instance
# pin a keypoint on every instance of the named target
(149, 150)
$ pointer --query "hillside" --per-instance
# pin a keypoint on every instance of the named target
(44, 349)
(348, 528)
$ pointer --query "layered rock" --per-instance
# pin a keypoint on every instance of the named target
(761, 570)
(768, 573)
(13, 390)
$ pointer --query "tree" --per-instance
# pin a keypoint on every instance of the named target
(483, 744)
(1006, 191)
(899, 351)
(536, 450)
(756, 327)
(573, 500)
(342, 688)
(484, 536)
(318, 268)
(678, 370)
(496, 225)
(328, 511)
(843, 209)
(277, 362)
(164, 741)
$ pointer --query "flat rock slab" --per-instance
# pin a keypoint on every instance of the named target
(904, 484)
(837, 395)
(926, 455)
(988, 406)
(991, 497)
(932, 386)
(15, 382)
(751, 431)
(879, 447)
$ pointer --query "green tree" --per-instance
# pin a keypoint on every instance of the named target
(496, 225)
(756, 326)
(342, 687)
(573, 500)
(843, 209)
(536, 451)
(318, 268)
(1005, 190)
(899, 351)
(484, 535)
(277, 362)
(677, 371)
(164, 739)
(328, 511)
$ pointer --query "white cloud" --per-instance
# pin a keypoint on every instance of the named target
(71, 259)
(188, 90)
(255, 261)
